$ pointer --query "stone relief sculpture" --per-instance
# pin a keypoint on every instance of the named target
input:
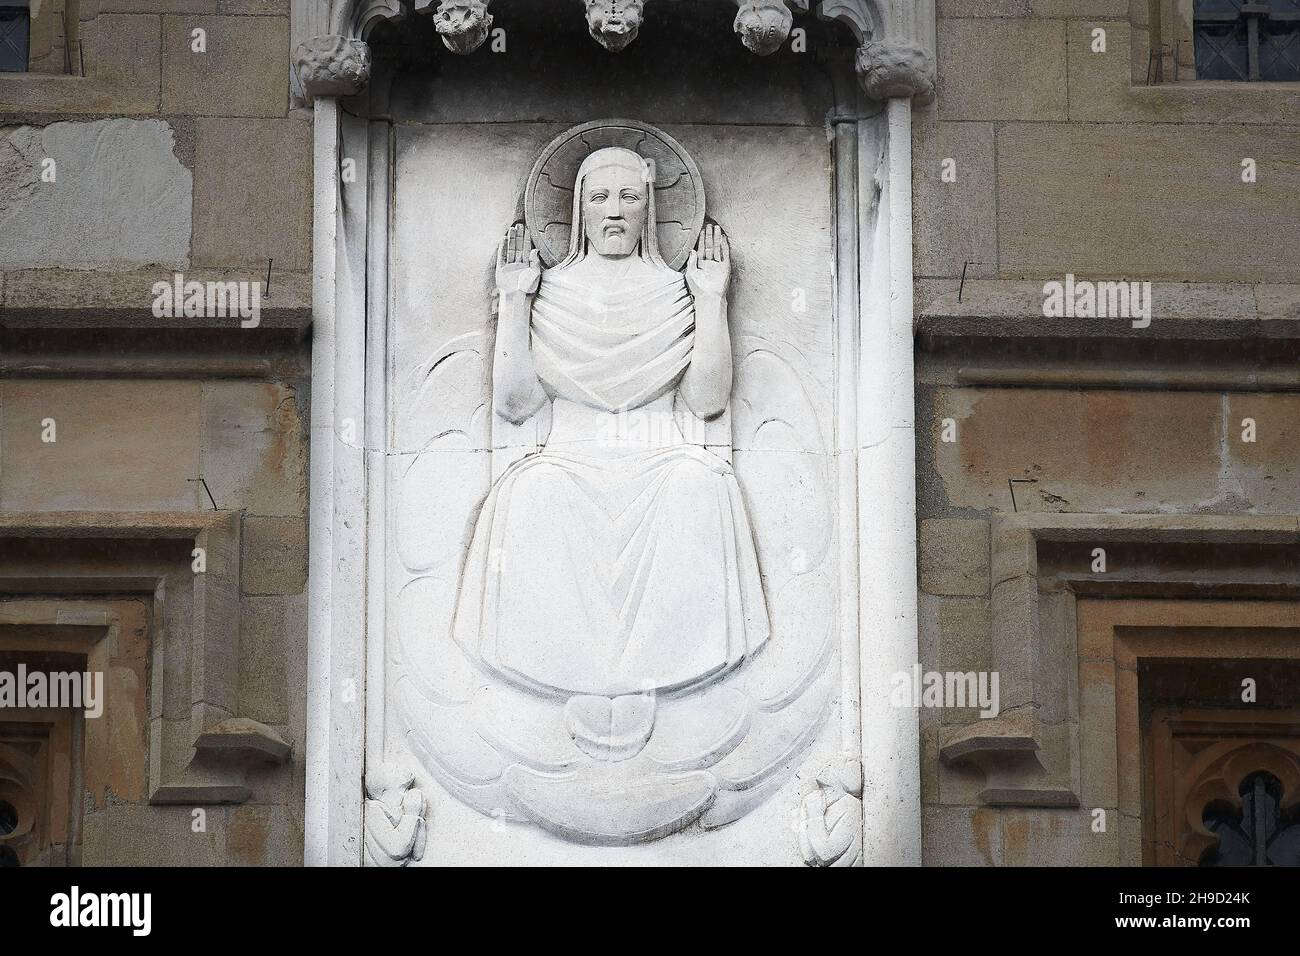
(462, 24)
(618, 560)
(830, 825)
(332, 66)
(395, 827)
(763, 25)
(609, 670)
(614, 24)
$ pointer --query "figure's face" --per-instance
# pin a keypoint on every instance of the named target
(614, 203)
(614, 23)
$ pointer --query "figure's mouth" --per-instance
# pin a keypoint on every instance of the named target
(615, 227)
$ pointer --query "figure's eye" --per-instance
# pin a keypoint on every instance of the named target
(630, 196)
(599, 197)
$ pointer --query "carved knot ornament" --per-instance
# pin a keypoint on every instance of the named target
(894, 68)
(332, 65)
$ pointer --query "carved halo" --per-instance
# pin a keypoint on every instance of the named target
(679, 188)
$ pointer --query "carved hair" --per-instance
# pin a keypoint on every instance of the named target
(648, 247)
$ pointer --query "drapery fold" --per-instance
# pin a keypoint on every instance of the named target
(613, 351)
(606, 564)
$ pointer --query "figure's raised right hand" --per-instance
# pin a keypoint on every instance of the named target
(519, 266)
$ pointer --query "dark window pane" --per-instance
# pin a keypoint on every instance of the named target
(1261, 833)
(1279, 51)
(1222, 52)
(1214, 8)
(13, 39)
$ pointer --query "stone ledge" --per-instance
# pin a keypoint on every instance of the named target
(222, 756)
(67, 299)
(1002, 308)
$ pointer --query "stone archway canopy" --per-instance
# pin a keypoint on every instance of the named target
(866, 804)
(895, 38)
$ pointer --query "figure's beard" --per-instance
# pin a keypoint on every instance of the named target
(615, 240)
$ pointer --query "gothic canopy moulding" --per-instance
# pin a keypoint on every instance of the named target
(894, 37)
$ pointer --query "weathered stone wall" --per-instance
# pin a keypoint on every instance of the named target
(1063, 161)
(166, 160)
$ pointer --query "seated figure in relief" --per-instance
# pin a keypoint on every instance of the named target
(618, 559)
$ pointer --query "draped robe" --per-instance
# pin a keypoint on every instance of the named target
(619, 558)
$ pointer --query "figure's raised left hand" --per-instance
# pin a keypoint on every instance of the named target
(708, 273)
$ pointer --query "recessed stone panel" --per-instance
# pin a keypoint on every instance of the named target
(1091, 451)
(242, 73)
(109, 195)
(117, 446)
(1147, 201)
(1002, 69)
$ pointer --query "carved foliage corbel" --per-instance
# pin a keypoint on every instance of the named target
(332, 65)
(338, 63)
(896, 68)
(895, 57)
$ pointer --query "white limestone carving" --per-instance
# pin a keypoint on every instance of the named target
(895, 56)
(395, 811)
(896, 68)
(462, 24)
(614, 24)
(830, 830)
(332, 65)
(763, 25)
(420, 521)
(616, 666)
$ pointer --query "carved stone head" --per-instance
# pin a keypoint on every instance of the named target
(615, 202)
(462, 24)
(614, 23)
(763, 25)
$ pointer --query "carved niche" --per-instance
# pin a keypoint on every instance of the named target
(618, 654)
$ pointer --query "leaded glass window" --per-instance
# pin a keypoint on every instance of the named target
(1247, 39)
(15, 29)
(1260, 834)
